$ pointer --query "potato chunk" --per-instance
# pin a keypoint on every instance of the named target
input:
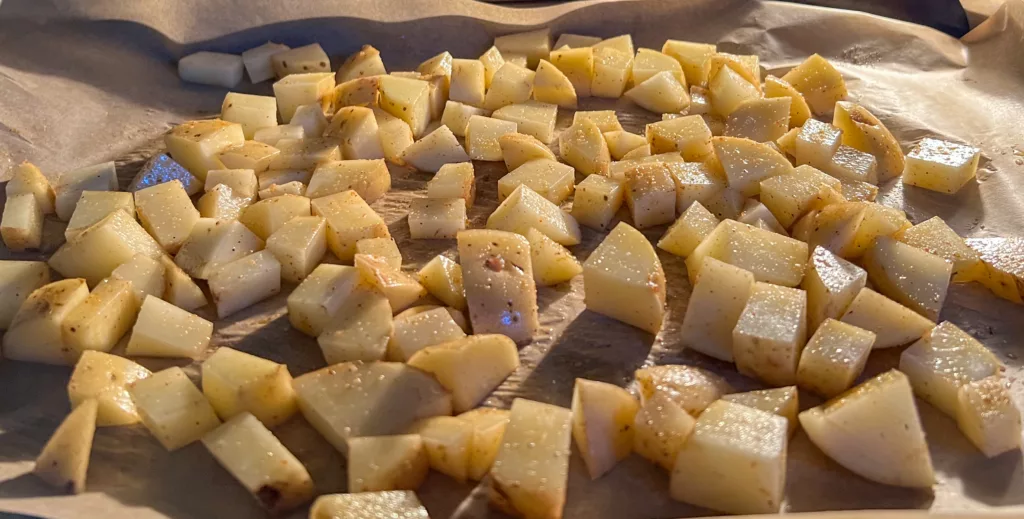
(436, 218)
(27, 179)
(1002, 272)
(511, 84)
(448, 442)
(548, 178)
(433, 151)
(874, 431)
(265, 217)
(759, 120)
(414, 332)
(850, 229)
(355, 399)
(799, 111)
(211, 68)
(349, 219)
(22, 224)
(365, 62)
(893, 323)
(535, 45)
(622, 142)
(34, 334)
(583, 147)
(612, 70)
(988, 417)
(525, 209)
(941, 166)
(297, 90)
(934, 236)
(497, 270)
(104, 378)
(401, 289)
(597, 200)
(530, 474)
(65, 458)
(442, 277)
(532, 118)
(603, 416)
(167, 213)
(910, 276)
(771, 257)
(93, 206)
(695, 182)
(244, 282)
(454, 181)
(577, 65)
(482, 135)
(718, 298)
(251, 111)
(308, 58)
(360, 134)
(221, 203)
(819, 82)
(360, 330)
(660, 429)
(197, 144)
(770, 334)
(748, 163)
(488, 426)
(236, 382)
(469, 367)
(378, 463)
(691, 56)
(385, 248)
(789, 197)
(172, 408)
(213, 243)
(164, 330)
(18, 279)
(369, 178)
(99, 177)
(692, 389)
(863, 131)
(660, 93)
(468, 82)
(834, 357)
(243, 182)
(816, 144)
(369, 505)
(551, 85)
(782, 401)
(650, 194)
(831, 284)
(624, 280)
(299, 245)
(734, 461)
(319, 297)
(728, 90)
(852, 165)
(98, 322)
(552, 263)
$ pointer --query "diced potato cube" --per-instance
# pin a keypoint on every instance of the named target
(401, 289)
(300, 60)
(759, 120)
(415, 332)
(253, 155)
(22, 224)
(319, 297)
(649, 62)
(369, 505)
(488, 426)
(874, 431)
(1002, 272)
(941, 166)
(791, 196)
(893, 323)
(482, 134)
(197, 144)
(695, 224)
(291, 188)
(456, 116)
(910, 276)
(211, 68)
(783, 401)
(695, 182)
(850, 229)
(524, 208)
(771, 257)
(274, 177)
(660, 93)
(819, 82)
(221, 203)
(606, 120)
(369, 178)
(691, 56)
(164, 330)
(34, 334)
(863, 131)
(602, 421)
(93, 206)
(436, 218)
(831, 284)
(734, 461)
(104, 246)
(624, 280)
(622, 142)
(442, 277)
(468, 82)
(770, 334)
(853, 165)
(243, 182)
(449, 444)
(834, 357)
(552, 263)
(816, 143)
(532, 118)
(650, 193)
(349, 219)
(384, 248)
(799, 112)
(27, 179)
(362, 92)
(213, 243)
(300, 89)
(179, 289)
(306, 153)
(511, 84)
(577, 65)
(18, 279)
(728, 90)
(266, 217)
(365, 62)
(311, 118)
(748, 163)
(535, 45)
(612, 70)
(251, 111)
(172, 408)
(437, 149)
(99, 321)
(407, 99)
(237, 383)
(550, 179)
(355, 399)
(64, 461)
(660, 429)
(689, 135)
(551, 85)
(378, 463)
(583, 147)
(498, 278)
(597, 200)
(756, 214)
(692, 389)
(453, 181)
(934, 236)
(360, 329)
(574, 41)
(244, 282)
(718, 298)
(258, 63)
(100, 177)
(360, 134)
(167, 213)
(275, 134)
(988, 417)
(104, 378)
(700, 102)
(492, 60)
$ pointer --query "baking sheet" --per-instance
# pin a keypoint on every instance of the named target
(88, 80)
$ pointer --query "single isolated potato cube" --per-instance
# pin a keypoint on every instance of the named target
(197, 144)
(748, 163)
(251, 111)
(401, 289)
(442, 278)
(27, 179)
(623, 279)
(548, 178)
(819, 82)
(436, 218)
(258, 460)
(530, 474)
(172, 408)
(300, 89)
(831, 284)
(35, 332)
(99, 321)
(524, 209)
(468, 82)
(18, 279)
(650, 194)
(238, 383)
(833, 358)
(105, 378)
(988, 417)
(365, 62)
(454, 181)
(214, 243)
(511, 84)
(360, 330)
(893, 324)
(716, 303)
(258, 61)
(782, 401)
(167, 214)
(551, 85)
(211, 68)
(482, 134)
(532, 118)
(910, 276)
(349, 219)
(320, 296)
(734, 461)
(583, 147)
(360, 134)
(414, 332)
(244, 282)
(93, 206)
(692, 389)
(385, 248)
(660, 429)
(449, 444)
(438, 148)
(394, 503)
(301, 60)
(22, 223)
(69, 188)
(164, 330)
(941, 166)
(597, 200)
(497, 273)
(552, 263)
(64, 462)
(770, 334)
(469, 367)
(602, 420)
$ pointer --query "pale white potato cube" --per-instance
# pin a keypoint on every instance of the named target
(530, 474)
(660, 429)
(552, 263)
(433, 151)
(691, 56)
(300, 60)
(791, 196)
(834, 357)
(770, 334)
(356, 399)
(163, 168)
(167, 213)
(379, 463)
(716, 303)
(874, 431)
(172, 408)
(582, 146)
(456, 116)
(863, 131)
(597, 200)
(910, 276)
(493, 61)
(532, 118)
(221, 203)
(695, 182)
(237, 383)
(384, 248)
(535, 45)
(856, 191)
(440, 64)
(349, 219)
(164, 330)
(468, 82)
(799, 111)
(360, 133)
(988, 417)
(624, 280)
(726, 203)
(244, 282)
(251, 111)
(759, 120)
(413, 332)
(211, 68)
(27, 179)
(258, 460)
(782, 401)
(850, 229)
(265, 217)
(34, 334)
(728, 90)
(271, 136)
(548, 178)
(831, 284)
(93, 206)
(369, 178)
(442, 278)
(695, 224)
(436, 218)
(660, 93)
(305, 154)
(650, 194)
(893, 323)
(22, 223)
(179, 289)
(747, 163)
(311, 118)
(18, 279)
(606, 120)
(407, 99)
(771, 257)
(257, 61)
(574, 41)
(524, 208)
(612, 70)
(688, 135)
(511, 84)
(104, 246)
(196, 144)
(853, 165)
(498, 278)
(622, 142)
(320, 296)
(101, 319)
(944, 360)
(941, 166)
(622, 43)
(819, 82)
(816, 143)
(300, 89)
(213, 243)
(454, 181)
(934, 236)
(365, 62)
(602, 421)
(449, 444)
(756, 214)
(64, 461)
(488, 425)
(104, 378)
(577, 64)
(401, 289)
(360, 330)
(243, 182)
(295, 188)
(734, 461)
(369, 505)
(100, 177)
(1001, 272)
(551, 85)
(649, 62)
(692, 389)
(362, 92)
(146, 275)
(700, 101)
(482, 134)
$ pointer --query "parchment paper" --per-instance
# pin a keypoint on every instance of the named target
(88, 80)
